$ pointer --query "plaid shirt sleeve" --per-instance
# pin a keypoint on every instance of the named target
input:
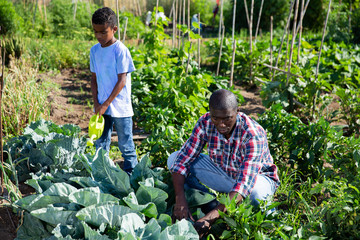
(190, 150)
(251, 161)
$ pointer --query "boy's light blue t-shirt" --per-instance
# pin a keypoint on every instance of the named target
(107, 63)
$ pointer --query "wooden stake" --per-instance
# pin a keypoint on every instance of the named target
(156, 12)
(282, 39)
(118, 21)
(138, 3)
(258, 22)
(303, 14)
(300, 24)
(188, 60)
(220, 51)
(318, 62)
(75, 8)
(271, 39)
(247, 12)
(126, 22)
(234, 46)
(188, 19)
(45, 11)
(2, 51)
(199, 42)
(292, 41)
(184, 10)
(173, 24)
(250, 32)
(179, 15)
(221, 17)
(36, 4)
(176, 21)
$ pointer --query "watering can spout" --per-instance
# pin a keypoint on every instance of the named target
(96, 128)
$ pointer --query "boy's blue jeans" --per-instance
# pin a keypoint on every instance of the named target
(205, 171)
(123, 127)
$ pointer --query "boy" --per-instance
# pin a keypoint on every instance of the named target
(111, 65)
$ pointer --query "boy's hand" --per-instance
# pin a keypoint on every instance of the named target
(100, 109)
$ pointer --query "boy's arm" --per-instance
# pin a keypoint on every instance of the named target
(117, 89)
(94, 91)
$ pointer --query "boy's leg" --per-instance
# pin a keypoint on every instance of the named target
(105, 139)
(123, 128)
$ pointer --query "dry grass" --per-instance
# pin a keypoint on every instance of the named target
(24, 98)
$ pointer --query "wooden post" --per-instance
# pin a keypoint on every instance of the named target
(258, 22)
(220, 51)
(271, 38)
(303, 14)
(126, 22)
(199, 42)
(292, 41)
(184, 10)
(247, 12)
(318, 62)
(36, 4)
(75, 8)
(118, 21)
(173, 24)
(188, 60)
(300, 24)
(138, 3)
(2, 51)
(156, 12)
(234, 46)
(188, 19)
(179, 16)
(282, 39)
(221, 18)
(176, 20)
(250, 32)
(45, 11)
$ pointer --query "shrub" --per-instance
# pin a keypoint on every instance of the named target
(10, 22)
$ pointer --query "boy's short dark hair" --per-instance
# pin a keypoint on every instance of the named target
(104, 16)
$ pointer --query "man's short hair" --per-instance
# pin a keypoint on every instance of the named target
(104, 16)
(223, 99)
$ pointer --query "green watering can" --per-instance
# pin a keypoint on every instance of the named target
(96, 128)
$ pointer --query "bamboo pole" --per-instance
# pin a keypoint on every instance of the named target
(75, 8)
(292, 41)
(36, 4)
(188, 19)
(188, 60)
(234, 46)
(118, 21)
(303, 14)
(45, 11)
(318, 62)
(247, 12)
(220, 51)
(173, 24)
(258, 22)
(250, 32)
(300, 24)
(199, 42)
(271, 39)
(184, 10)
(282, 39)
(179, 21)
(221, 18)
(126, 22)
(156, 12)
(2, 53)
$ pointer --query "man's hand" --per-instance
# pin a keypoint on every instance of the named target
(100, 109)
(203, 225)
(181, 211)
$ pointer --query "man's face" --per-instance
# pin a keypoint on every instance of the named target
(104, 34)
(224, 120)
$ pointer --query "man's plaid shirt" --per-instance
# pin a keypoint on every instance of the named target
(243, 156)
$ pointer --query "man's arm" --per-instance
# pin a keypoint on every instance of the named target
(117, 89)
(181, 209)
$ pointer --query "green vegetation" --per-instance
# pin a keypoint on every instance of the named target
(318, 158)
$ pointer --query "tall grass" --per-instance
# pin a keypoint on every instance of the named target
(24, 98)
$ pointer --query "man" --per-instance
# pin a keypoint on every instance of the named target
(239, 161)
